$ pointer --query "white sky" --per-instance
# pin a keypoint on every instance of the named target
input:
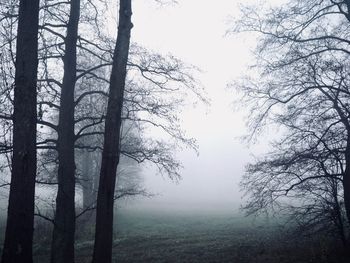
(194, 31)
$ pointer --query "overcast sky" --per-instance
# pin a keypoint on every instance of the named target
(194, 31)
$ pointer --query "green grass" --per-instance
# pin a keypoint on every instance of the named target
(206, 237)
(188, 236)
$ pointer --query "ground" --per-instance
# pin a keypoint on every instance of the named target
(184, 236)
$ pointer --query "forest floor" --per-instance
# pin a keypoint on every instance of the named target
(203, 237)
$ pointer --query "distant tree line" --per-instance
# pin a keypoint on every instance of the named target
(76, 110)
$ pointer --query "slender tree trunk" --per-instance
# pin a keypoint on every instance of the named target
(20, 218)
(62, 250)
(87, 184)
(89, 178)
(85, 227)
(111, 152)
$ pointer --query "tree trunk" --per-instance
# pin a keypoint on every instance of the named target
(85, 227)
(338, 211)
(346, 187)
(87, 184)
(19, 230)
(111, 147)
(346, 183)
(62, 249)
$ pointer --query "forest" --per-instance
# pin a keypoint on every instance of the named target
(174, 131)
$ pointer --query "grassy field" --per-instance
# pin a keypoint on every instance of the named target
(204, 237)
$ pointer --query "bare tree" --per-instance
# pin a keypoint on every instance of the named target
(110, 155)
(156, 87)
(20, 221)
(302, 63)
(64, 224)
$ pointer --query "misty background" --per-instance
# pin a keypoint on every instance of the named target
(175, 131)
(211, 179)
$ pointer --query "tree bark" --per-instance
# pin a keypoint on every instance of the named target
(346, 189)
(339, 222)
(19, 229)
(62, 249)
(111, 147)
(346, 181)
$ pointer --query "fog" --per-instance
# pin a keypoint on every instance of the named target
(131, 149)
(209, 180)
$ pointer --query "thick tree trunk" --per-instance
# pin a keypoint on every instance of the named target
(111, 152)
(346, 188)
(62, 250)
(20, 220)
(338, 212)
(346, 185)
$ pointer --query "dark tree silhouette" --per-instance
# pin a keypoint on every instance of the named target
(111, 152)
(158, 85)
(302, 59)
(64, 223)
(20, 220)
